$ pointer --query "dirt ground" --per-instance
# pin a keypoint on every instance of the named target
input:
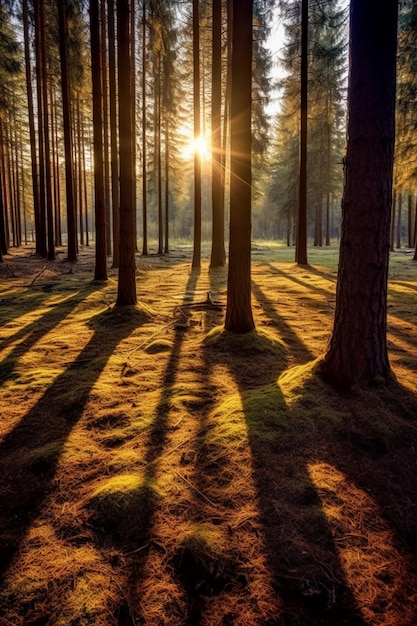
(155, 470)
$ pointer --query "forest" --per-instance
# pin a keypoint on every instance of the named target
(208, 300)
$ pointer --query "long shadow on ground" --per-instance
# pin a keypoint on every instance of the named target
(29, 454)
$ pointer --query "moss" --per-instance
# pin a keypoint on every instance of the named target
(256, 341)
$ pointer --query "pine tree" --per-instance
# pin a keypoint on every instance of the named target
(357, 351)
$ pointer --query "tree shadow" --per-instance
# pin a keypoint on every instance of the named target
(303, 283)
(33, 332)
(288, 335)
(30, 453)
(304, 556)
(128, 526)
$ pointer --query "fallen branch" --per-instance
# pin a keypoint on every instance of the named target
(195, 489)
(40, 274)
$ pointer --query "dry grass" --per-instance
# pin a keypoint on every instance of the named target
(157, 470)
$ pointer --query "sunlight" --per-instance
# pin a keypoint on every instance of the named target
(373, 567)
(191, 145)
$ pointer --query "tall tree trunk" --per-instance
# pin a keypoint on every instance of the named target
(46, 138)
(67, 120)
(100, 209)
(31, 117)
(410, 219)
(239, 317)
(399, 211)
(166, 245)
(144, 147)
(54, 150)
(218, 255)
(41, 245)
(301, 233)
(133, 107)
(126, 294)
(114, 160)
(196, 262)
(357, 351)
(87, 238)
(4, 241)
(80, 171)
(105, 126)
(159, 153)
(225, 152)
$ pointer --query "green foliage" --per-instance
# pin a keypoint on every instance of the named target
(326, 112)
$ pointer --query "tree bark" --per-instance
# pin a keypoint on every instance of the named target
(144, 147)
(239, 317)
(106, 162)
(196, 262)
(114, 158)
(99, 208)
(301, 232)
(126, 293)
(66, 113)
(218, 256)
(357, 351)
(31, 116)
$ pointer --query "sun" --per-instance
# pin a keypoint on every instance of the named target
(201, 147)
(191, 145)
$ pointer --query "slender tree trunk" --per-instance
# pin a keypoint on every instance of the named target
(410, 219)
(68, 147)
(166, 246)
(105, 126)
(225, 152)
(301, 233)
(399, 211)
(46, 138)
(126, 294)
(133, 108)
(196, 262)
(239, 317)
(144, 147)
(357, 351)
(41, 245)
(392, 223)
(54, 145)
(218, 255)
(159, 153)
(4, 241)
(114, 161)
(31, 117)
(100, 208)
(80, 171)
(87, 238)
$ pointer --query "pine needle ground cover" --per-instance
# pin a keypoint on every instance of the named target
(157, 470)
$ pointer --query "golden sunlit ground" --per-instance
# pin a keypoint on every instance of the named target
(156, 471)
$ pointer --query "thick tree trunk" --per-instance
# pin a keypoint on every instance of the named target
(357, 352)
(126, 294)
(100, 213)
(301, 233)
(218, 256)
(239, 317)
(196, 262)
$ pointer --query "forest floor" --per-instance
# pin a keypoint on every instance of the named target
(155, 470)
